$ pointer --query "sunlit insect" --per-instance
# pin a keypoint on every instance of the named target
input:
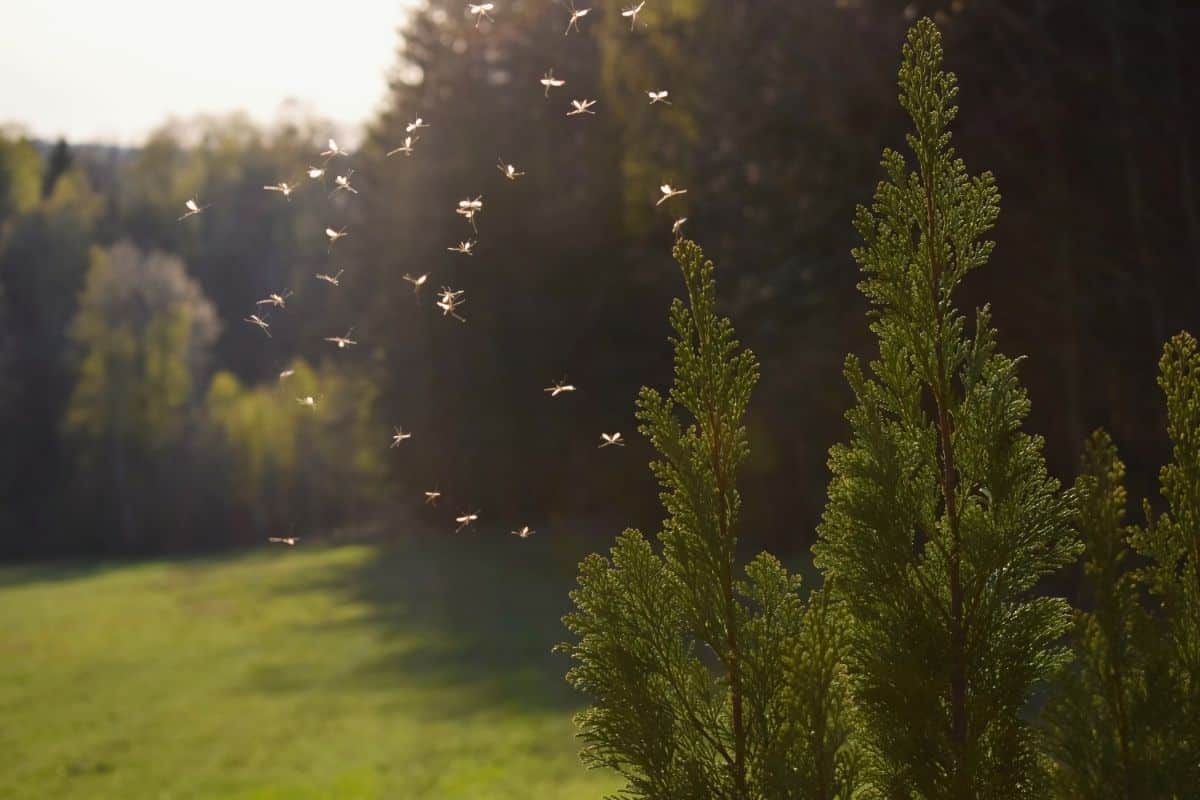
(659, 97)
(449, 300)
(431, 498)
(343, 184)
(480, 11)
(284, 188)
(342, 341)
(308, 401)
(330, 279)
(677, 227)
(398, 437)
(290, 541)
(274, 299)
(192, 209)
(508, 170)
(550, 82)
(254, 319)
(611, 439)
(417, 282)
(524, 532)
(464, 520)
(464, 247)
(315, 173)
(558, 388)
(668, 192)
(581, 107)
(334, 151)
(415, 125)
(576, 15)
(632, 12)
(406, 148)
(469, 208)
(334, 236)
(287, 373)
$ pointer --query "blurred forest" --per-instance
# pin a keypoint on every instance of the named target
(139, 413)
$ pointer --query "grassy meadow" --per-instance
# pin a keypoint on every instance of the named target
(419, 668)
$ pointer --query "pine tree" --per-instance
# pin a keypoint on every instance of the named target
(1171, 542)
(1102, 724)
(706, 683)
(941, 516)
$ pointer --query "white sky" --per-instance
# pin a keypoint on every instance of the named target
(112, 70)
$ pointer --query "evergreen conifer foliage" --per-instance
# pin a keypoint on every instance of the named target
(706, 680)
(941, 516)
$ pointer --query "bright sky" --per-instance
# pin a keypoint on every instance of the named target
(111, 71)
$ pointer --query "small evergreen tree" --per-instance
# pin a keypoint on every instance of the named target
(1102, 728)
(706, 684)
(1171, 542)
(941, 516)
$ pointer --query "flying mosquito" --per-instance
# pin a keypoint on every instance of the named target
(659, 97)
(342, 341)
(611, 439)
(334, 151)
(316, 172)
(254, 319)
(290, 541)
(449, 300)
(464, 520)
(480, 11)
(330, 279)
(417, 282)
(275, 299)
(550, 82)
(558, 388)
(469, 208)
(576, 15)
(632, 12)
(431, 498)
(284, 188)
(677, 227)
(287, 373)
(581, 107)
(192, 209)
(308, 401)
(508, 170)
(524, 532)
(343, 183)
(463, 247)
(406, 148)
(415, 125)
(334, 236)
(668, 193)
(398, 437)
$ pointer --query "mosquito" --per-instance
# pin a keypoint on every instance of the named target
(316, 173)
(464, 520)
(558, 388)
(612, 439)
(290, 541)
(284, 188)
(480, 11)
(415, 125)
(659, 97)
(330, 279)
(469, 208)
(342, 341)
(463, 247)
(274, 299)
(668, 193)
(508, 170)
(343, 182)
(399, 436)
(334, 151)
(449, 300)
(632, 12)
(576, 15)
(417, 282)
(287, 373)
(192, 209)
(677, 227)
(334, 236)
(431, 498)
(307, 401)
(254, 319)
(524, 532)
(581, 107)
(406, 148)
(550, 82)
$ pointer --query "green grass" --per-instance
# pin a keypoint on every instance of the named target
(418, 669)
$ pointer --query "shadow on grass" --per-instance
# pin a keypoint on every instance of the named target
(475, 613)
